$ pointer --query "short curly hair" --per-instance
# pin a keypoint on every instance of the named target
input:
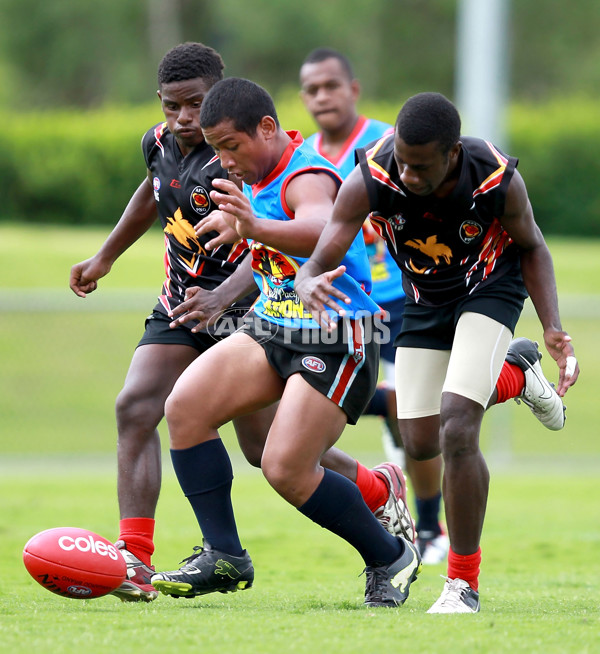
(429, 117)
(188, 61)
(242, 101)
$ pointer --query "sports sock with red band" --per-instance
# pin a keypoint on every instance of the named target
(465, 567)
(371, 486)
(138, 534)
(510, 382)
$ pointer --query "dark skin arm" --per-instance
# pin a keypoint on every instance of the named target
(139, 215)
(206, 306)
(538, 275)
(310, 198)
(314, 281)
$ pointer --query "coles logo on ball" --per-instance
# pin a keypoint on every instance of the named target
(200, 201)
(88, 544)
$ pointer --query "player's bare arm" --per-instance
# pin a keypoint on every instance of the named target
(206, 306)
(314, 281)
(310, 198)
(138, 216)
(538, 275)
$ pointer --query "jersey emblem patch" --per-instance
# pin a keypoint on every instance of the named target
(200, 201)
(398, 221)
(314, 364)
(156, 186)
(469, 231)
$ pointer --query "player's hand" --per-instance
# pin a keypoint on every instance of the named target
(85, 275)
(234, 205)
(318, 292)
(558, 344)
(217, 221)
(199, 304)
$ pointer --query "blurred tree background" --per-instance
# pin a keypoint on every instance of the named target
(82, 54)
(83, 57)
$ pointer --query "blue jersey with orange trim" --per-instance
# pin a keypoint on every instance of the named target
(181, 191)
(449, 247)
(385, 274)
(275, 271)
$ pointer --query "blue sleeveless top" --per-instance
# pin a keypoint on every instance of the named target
(275, 271)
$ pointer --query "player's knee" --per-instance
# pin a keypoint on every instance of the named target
(421, 444)
(274, 471)
(175, 409)
(421, 449)
(282, 477)
(459, 428)
(457, 438)
(136, 414)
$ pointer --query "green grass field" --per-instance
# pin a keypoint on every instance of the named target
(63, 362)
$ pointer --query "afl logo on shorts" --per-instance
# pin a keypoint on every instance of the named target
(469, 231)
(314, 364)
(200, 201)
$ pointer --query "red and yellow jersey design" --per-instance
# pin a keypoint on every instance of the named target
(182, 188)
(446, 248)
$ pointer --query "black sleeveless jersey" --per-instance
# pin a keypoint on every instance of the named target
(181, 190)
(447, 248)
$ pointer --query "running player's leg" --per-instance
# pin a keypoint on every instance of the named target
(251, 431)
(199, 404)
(152, 374)
(306, 424)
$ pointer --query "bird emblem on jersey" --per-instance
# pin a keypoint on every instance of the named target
(183, 232)
(432, 248)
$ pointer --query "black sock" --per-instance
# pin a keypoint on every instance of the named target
(428, 515)
(205, 476)
(338, 506)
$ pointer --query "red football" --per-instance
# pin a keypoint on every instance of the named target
(74, 562)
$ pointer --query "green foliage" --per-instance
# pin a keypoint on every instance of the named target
(81, 168)
(62, 53)
(557, 144)
(73, 167)
(83, 54)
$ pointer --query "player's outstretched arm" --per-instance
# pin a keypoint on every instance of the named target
(206, 306)
(538, 275)
(309, 197)
(137, 218)
(314, 279)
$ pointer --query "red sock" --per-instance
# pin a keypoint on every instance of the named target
(465, 567)
(372, 487)
(138, 535)
(510, 382)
